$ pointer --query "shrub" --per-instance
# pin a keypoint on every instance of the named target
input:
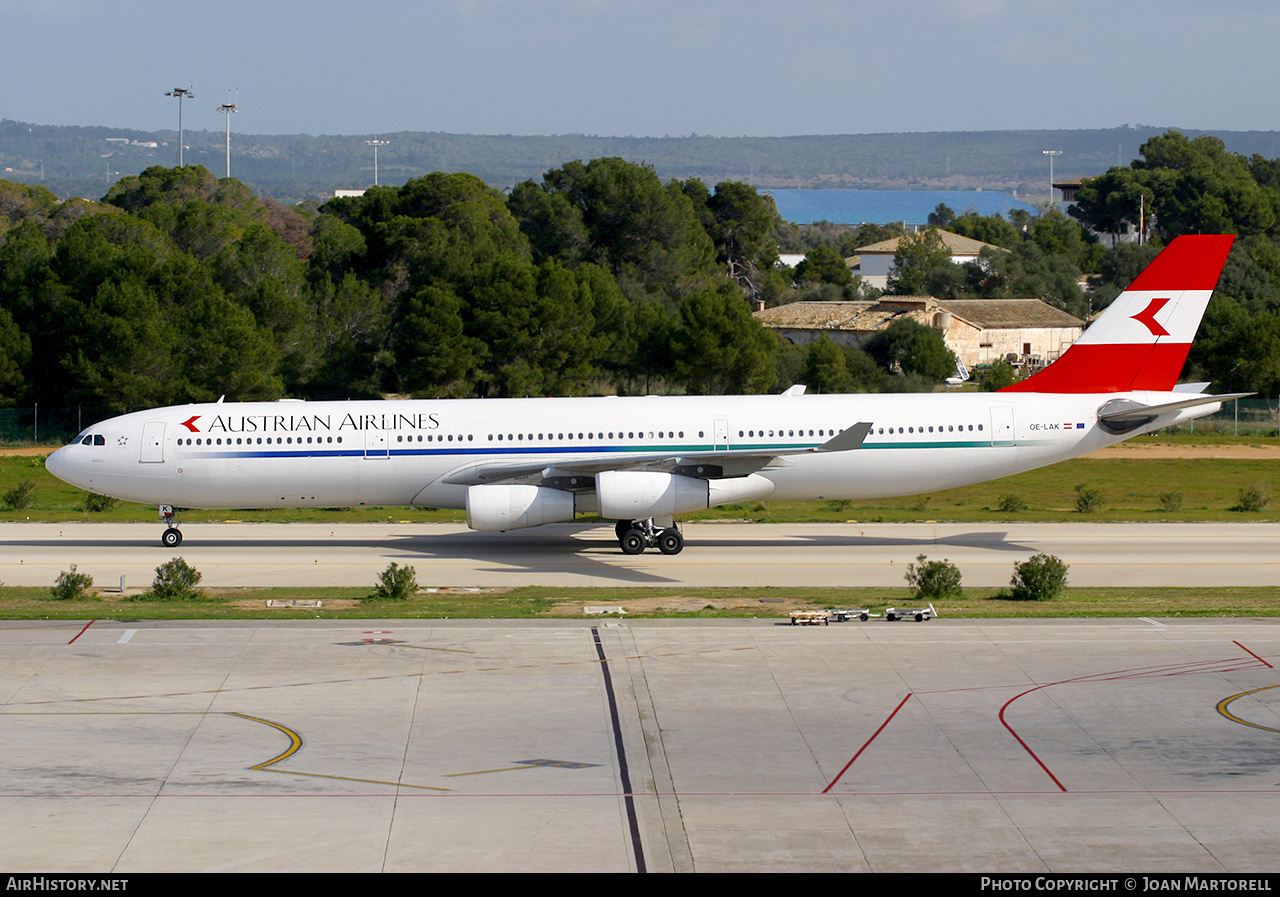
(1089, 500)
(1252, 498)
(96, 504)
(934, 579)
(71, 586)
(1011, 503)
(396, 583)
(175, 580)
(1171, 501)
(1039, 578)
(999, 375)
(20, 496)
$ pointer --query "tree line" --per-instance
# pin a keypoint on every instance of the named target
(597, 278)
(179, 286)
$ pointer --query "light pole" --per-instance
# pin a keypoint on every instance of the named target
(1051, 154)
(375, 144)
(227, 109)
(180, 93)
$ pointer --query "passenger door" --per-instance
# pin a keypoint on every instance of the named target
(152, 451)
(1002, 425)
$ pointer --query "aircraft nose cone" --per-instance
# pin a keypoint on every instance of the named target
(60, 465)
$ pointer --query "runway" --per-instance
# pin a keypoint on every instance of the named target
(716, 554)
(657, 746)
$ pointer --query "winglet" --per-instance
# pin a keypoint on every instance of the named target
(847, 440)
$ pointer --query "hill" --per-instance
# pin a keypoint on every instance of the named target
(85, 161)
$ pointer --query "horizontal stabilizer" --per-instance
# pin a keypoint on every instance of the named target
(1143, 412)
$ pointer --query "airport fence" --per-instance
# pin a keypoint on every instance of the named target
(1256, 416)
(47, 424)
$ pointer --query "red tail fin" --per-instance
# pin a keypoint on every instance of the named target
(1141, 341)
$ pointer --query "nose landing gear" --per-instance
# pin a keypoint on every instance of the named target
(172, 536)
(634, 536)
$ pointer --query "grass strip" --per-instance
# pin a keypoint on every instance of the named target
(535, 602)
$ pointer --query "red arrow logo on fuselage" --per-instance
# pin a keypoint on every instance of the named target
(1148, 317)
(190, 423)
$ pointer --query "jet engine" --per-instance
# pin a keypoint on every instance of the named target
(639, 494)
(498, 507)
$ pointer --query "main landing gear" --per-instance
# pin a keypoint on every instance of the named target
(634, 536)
(172, 537)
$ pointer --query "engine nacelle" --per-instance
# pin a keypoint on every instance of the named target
(497, 507)
(637, 494)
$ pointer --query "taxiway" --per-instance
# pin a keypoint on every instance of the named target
(989, 746)
(716, 554)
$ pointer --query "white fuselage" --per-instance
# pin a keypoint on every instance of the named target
(417, 452)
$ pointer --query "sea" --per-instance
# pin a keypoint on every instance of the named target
(911, 207)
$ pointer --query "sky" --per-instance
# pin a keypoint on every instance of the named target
(645, 68)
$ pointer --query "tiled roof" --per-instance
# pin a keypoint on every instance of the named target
(867, 316)
(957, 244)
(990, 313)
(856, 316)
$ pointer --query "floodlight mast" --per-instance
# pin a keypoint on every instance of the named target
(375, 144)
(227, 109)
(1051, 154)
(181, 93)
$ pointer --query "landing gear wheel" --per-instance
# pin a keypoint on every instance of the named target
(172, 537)
(622, 527)
(670, 541)
(632, 542)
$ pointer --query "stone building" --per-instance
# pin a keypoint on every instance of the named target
(1026, 332)
(873, 263)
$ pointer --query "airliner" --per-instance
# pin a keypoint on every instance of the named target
(641, 461)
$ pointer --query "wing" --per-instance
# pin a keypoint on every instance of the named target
(579, 472)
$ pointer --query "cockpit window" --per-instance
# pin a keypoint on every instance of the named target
(93, 439)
